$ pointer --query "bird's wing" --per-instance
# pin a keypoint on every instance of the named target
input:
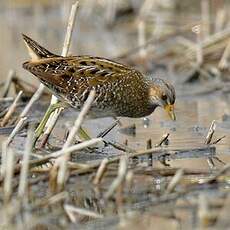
(90, 70)
(74, 77)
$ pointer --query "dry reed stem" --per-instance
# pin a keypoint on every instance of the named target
(72, 148)
(43, 160)
(211, 43)
(6, 99)
(33, 99)
(218, 174)
(53, 173)
(121, 147)
(100, 171)
(208, 140)
(186, 42)
(22, 116)
(220, 19)
(199, 49)
(223, 64)
(16, 129)
(62, 160)
(153, 40)
(7, 84)
(7, 187)
(11, 110)
(50, 200)
(71, 210)
(69, 30)
(107, 130)
(23, 181)
(3, 158)
(122, 171)
(141, 38)
(218, 140)
(174, 181)
(80, 119)
(162, 140)
(210, 133)
(54, 116)
(53, 199)
(215, 38)
(205, 17)
(129, 179)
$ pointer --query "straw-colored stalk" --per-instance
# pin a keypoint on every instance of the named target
(25, 165)
(54, 116)
(11, 110)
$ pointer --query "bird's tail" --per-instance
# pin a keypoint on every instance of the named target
(36, 51)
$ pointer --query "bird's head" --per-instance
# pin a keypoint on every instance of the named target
(162, 94)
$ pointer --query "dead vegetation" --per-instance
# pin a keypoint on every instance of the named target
(46, 188)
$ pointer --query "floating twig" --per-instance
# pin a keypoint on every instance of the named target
(218, 140)
(107, 130)
(164, 139)
(164, 172)
(218, 174)
(121, 147)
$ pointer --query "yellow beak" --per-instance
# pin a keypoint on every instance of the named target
(170, 111)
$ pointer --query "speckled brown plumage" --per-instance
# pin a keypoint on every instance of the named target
(120, 90)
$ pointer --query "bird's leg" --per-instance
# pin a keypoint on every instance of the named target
(41, 126)
(82, 133)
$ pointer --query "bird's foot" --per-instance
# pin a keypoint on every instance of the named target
(39, 130)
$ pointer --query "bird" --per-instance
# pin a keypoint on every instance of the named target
(120, 90)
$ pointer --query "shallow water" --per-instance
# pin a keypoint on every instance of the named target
(194, 116)
(194, 113)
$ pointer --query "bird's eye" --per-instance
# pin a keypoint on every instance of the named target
(164, 97)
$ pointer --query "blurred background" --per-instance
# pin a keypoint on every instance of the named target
(112, 28)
